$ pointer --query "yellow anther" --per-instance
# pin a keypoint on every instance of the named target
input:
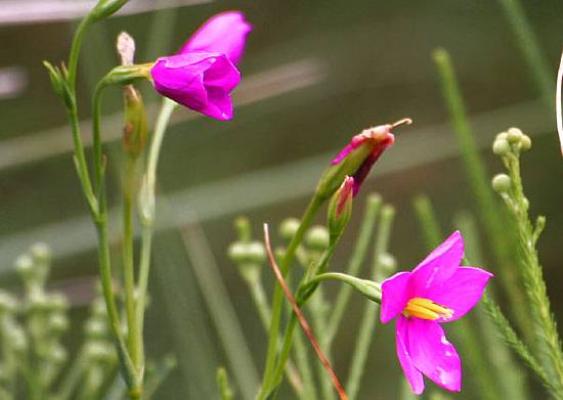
(426, 309)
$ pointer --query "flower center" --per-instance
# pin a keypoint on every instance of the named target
(426, 309)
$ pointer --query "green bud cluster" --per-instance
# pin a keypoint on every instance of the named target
(248, 255)
(511, 141)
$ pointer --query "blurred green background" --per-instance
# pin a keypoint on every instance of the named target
(314, 73)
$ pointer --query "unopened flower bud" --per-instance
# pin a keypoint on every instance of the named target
(317, 238)
(357, 158)
(244, 253)
(58, 323)
(525, 143)
(501, 147)
(106, 8)
(41, 252)
(513, 135)
(96, 328)
(501, 183)
(24, 266)
(135, 129)
(288, 228)
(256, 252)
(502, 135)
(340, 208)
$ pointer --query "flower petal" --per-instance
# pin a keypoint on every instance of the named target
(413, 375)
(200, 81)
(432, 354)
(223, 33)
(462, 291)
(394, 296)
(438, 266)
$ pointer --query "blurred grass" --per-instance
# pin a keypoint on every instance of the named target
(378, 63)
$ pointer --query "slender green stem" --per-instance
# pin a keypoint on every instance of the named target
(369, 318)
(80, 161)
(104, 260)
(134, 340)
(72, 377)
(318, 308)
(147, 204)
(529, 45)
(75, 51)
(166, 110)
(313, 270)
(260, 302)
(97, 136)
(358, 256)
(492, 220)
(277, 302)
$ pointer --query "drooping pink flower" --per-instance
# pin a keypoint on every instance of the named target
(223, 33)
(200, 81)
(202, 75)
(438, 290)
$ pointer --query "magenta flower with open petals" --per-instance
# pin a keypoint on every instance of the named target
(202, 75)
(437, 290)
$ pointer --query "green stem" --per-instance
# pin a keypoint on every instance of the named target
(492, 220)
(104, 260)
(358, 256)
(75, 51)
(277, 302)
(260, 302)
(369, 319)
(96, 135)
(80, 161)
(313, 271)
(529, 46)
(532, 274)
(318, 308)
(134, 339)
(146, 205)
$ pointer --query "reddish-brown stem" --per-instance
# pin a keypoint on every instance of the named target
(301, 318)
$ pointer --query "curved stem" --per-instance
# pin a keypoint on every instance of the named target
(277, 302)
(147, 222)
(75, 51)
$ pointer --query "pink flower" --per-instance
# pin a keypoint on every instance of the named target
(202, 75)
(437, 290)
(366, 147)
(223, 33)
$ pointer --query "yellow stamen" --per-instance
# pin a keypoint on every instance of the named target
(426, 309)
